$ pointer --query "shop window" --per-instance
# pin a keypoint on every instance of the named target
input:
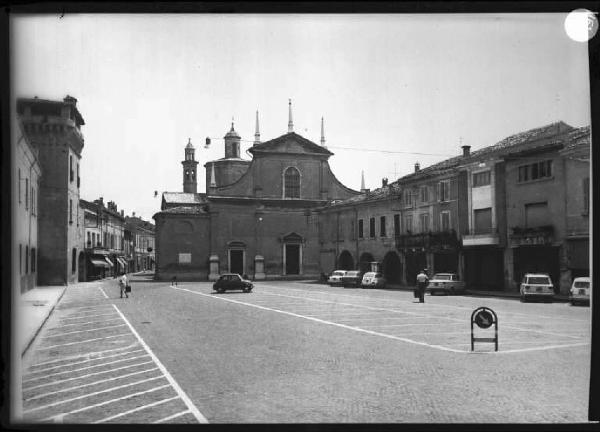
(481, 179)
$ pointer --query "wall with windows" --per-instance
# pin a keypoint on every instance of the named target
(26, 175)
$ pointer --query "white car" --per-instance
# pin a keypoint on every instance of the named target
(446, 283)
(336, 277)
(580, 290)
(536, 285)
(373, 280)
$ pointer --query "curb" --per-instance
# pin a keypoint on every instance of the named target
(35, 333)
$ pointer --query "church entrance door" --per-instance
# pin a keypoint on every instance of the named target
(292, 259)
(236, 261)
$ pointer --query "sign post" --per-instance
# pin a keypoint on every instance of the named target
(484, 318)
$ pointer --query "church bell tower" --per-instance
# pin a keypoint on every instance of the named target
(190, 183)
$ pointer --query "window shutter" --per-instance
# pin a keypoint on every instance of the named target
(439, 191)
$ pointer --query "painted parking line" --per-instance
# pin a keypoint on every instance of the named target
(51, 383)
(82, 331)
(131, 411)
(89, 407)
(171, 417)
(84, 355)
(83, 341)
(60, 402)
(85, 316)
(196, 413)
(102, 291)
(85, 323)
(83, 368)
(357, 329)
(42, 395)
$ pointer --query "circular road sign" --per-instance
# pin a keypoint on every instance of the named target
(484, 319)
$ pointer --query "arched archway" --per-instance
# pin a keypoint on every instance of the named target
(392, 267)
(345, 261)
(365, 262)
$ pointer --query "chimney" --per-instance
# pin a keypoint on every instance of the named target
(384, 182)
(466, 150)
(122, 213)
(99, 201)
(417, 167)
(132, 214)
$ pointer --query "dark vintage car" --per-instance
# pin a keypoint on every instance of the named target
(352, 278)
(232, 281)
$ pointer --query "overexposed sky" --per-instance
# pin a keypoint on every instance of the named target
(388, 85)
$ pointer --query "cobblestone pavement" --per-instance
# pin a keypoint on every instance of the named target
(89, 366)
(298, 352)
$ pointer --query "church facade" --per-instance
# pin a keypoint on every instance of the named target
(257, 217)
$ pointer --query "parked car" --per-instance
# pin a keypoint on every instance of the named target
(580, 290)
(336, 277)
(352, 278)
(536, 285)
(232, 281)
(373, 280)
(447, 283)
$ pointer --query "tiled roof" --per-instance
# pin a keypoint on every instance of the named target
(183, 198)
(292, 136)
(578, 144)
(521, 141)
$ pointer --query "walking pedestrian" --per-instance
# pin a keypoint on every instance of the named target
(174, 281)
(422, 281)
(123, 284)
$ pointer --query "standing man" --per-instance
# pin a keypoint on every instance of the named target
(422, 281)
(123, 285)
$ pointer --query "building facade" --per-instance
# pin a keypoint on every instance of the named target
(140, 234)
(27, 173)
(257, 217)
(54, 129)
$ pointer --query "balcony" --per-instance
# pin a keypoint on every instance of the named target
(479, 237)
(432, 241)
(542, 235)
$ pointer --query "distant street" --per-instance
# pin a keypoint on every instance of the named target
(301, 352)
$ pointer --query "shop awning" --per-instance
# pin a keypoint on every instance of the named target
(98, 263)
(110, 264)
(122, 262)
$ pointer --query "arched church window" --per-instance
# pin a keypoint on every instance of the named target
(187, 174)
(193, 174)
(291, 180)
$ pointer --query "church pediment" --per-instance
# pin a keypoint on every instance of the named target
(290, 143)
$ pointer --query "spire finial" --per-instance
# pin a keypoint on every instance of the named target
(290, 122)
(362, 180)
(322, 133)
(232, 123)
(257, 132)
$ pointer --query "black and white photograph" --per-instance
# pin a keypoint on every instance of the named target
(289, 217)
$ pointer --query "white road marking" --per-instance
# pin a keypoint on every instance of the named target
(358, 329)
(408, 325)
(50, 405)
(39, 396)
(84, 368)
(88, 407)
(86, 323)
(82, 331)
(102, 291)
(83, 341)
(542, 348)
(84, 376)
(86, 308)
(85, 316)
(160, 402)
(166, 373)
(86, 355)
(171, 417)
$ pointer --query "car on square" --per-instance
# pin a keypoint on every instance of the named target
(352, 278)
(580, 291)
(536, 286)
(373, 280)
(232, 281)
(335, 278)
(446, 283)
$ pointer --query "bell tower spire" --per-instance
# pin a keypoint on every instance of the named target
(290, 121)
(257, 132)
(362, 181)
(190, 184)
(322, 134)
